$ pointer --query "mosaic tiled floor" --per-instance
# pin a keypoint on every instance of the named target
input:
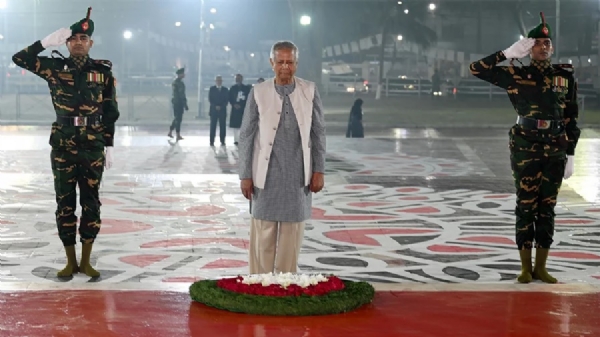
(418, 207)
(425, 215)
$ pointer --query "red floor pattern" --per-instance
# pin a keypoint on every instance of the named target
(406, 314)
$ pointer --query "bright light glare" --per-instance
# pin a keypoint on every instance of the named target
(305, 20)
(213, 10)
(400, 37)
(521, 37)
(211, 26)
(177, 24)
(3, 4)
(406, 11)
(432, 7)
(227, 48)
(127, 34)
(251, 54)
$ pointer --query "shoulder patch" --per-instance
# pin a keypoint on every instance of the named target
(105, 63)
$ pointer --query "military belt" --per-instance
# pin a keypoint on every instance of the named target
(540, 124)
(79, 120)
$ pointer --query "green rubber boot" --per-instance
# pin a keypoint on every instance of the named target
(539, 271)
(71, 267)
(526, 274)
(85, 266)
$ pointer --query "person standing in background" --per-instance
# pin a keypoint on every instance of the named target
(355, 121)
(179, 102)
(238, 95)
(218, 97)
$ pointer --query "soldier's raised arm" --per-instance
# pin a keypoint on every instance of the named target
(488, 70)
(29, 58)
(110, 109)
(571, 114)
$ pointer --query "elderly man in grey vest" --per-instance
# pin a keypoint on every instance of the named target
(282, 161)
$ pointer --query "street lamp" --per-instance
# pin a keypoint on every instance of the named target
(127, 34)
(200, 52)
(400, 37)
(305, 20)
(432, 7)
(406, 11)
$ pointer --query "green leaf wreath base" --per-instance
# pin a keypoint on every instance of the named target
(353, 296)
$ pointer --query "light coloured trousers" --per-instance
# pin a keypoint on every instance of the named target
(236, 135)
(275, 246)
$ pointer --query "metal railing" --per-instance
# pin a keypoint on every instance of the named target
(464, 87)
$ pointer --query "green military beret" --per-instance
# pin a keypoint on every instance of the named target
(84, 26)
(180, 71)
(541, 31)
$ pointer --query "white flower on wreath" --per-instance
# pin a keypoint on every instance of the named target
(284, 280)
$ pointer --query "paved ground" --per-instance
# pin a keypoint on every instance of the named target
(421, 206)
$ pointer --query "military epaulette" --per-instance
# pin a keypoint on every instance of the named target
(105, 63)
(565, 66)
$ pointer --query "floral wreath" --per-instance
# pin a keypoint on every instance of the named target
(283, 294)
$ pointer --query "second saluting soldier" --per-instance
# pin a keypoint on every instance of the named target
(542, 142)
(84, 99)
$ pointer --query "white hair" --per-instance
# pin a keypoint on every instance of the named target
(284, 45)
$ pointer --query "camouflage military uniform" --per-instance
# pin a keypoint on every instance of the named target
(179, 102)
(84, 99)
(545, 99)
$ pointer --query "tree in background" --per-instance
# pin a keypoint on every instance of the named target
(395, 21)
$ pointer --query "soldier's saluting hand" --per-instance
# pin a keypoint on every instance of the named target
(56, 39)
(519, 49)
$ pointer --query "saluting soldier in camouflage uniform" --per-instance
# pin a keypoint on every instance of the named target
(179, 102)
(84, 98)
(542, 142)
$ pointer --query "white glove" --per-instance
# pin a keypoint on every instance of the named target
(108, 160)
(58, 38)
(570, 167)
(519, 49)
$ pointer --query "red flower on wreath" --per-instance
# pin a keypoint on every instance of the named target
(235, 285)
